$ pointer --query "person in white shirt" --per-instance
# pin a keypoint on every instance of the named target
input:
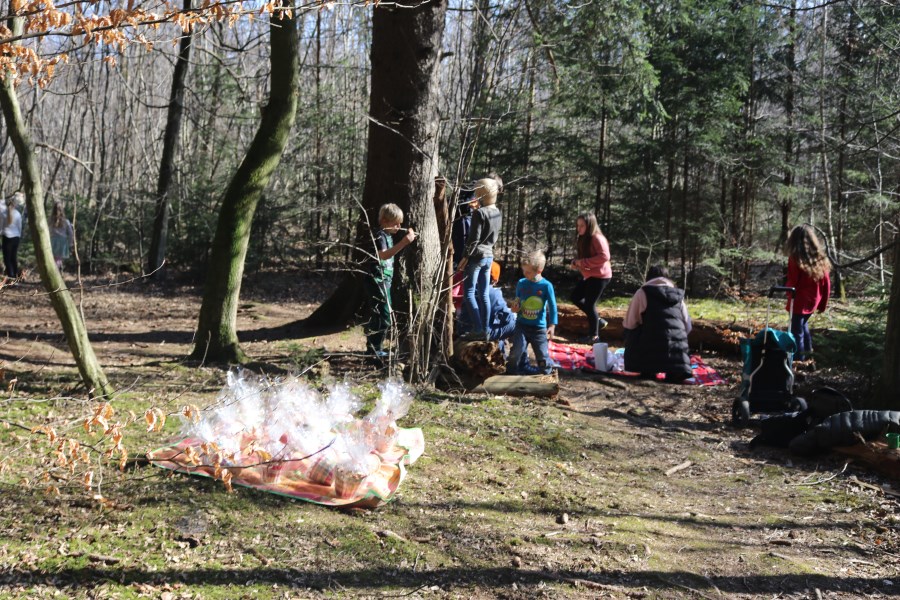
(11, 219)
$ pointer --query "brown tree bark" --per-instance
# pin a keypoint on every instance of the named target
(60, 297)
(159, 238)
(402, 161)
(216, 338)
(889, 389)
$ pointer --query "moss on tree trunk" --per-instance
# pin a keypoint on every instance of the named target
(216, 338)
(60, 297)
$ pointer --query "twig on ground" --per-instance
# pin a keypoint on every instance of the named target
(685, 587)
(680, 467)
(594, 585)
(403, 595)
(826, 479)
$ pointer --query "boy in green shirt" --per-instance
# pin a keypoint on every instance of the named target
(378, 282)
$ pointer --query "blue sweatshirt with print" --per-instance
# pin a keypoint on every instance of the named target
(537, 303)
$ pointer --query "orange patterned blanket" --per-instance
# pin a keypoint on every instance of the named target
(291, 477)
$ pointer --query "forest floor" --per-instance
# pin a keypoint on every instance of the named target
(572, 497)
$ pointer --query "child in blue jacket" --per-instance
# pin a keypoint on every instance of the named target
(536, 321)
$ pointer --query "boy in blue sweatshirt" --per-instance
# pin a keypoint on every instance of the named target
(535, 304)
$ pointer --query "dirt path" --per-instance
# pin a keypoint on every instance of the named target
(615, 489)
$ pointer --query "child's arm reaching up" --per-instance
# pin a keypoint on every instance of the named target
(408, 239)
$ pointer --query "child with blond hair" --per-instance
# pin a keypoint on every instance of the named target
(479, 255)
(535, 304)
(378, 281)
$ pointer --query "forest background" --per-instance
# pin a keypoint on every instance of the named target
(698, 132)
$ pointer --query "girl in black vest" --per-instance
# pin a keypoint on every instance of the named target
(656, 329)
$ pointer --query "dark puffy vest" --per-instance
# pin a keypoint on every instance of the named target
(659, 345)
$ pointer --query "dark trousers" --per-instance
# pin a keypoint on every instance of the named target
(521, 337)
(10, 256)
(585, 296)
(800, 329)
(379, 308)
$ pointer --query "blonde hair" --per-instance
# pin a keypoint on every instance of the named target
(390, 214)
(535, 259)
(804, 246)
(583, 242)
(486, 191)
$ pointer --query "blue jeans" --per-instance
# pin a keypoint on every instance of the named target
(498, 333)
(476, 301)
(800, 329)
(537, 337)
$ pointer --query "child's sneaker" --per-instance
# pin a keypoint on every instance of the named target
(602, 323)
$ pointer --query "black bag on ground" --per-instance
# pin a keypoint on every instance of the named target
(780, 430)
(842, 429)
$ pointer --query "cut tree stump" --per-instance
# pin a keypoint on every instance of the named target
(473, 362)
(521, 385)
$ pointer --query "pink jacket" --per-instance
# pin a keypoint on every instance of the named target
(597, 264)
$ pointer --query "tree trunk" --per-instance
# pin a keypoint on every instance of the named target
(837, 282)
(157, 254)
(522, 192)
(402, 161)
(682, 236)
(787, 180)
(317, 132)
(444, 319)
(216, 338)
(889, 393)
(601, 169)
(60, 297)
(670, 200)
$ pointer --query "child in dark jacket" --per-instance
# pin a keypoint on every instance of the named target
(808, 274)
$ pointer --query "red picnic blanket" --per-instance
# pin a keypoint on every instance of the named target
(581, 358)
(288, 478)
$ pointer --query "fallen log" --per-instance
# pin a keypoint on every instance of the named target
(521, 385)
(705, 336)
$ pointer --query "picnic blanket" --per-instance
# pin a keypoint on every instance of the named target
(581, 358)
(287, 478)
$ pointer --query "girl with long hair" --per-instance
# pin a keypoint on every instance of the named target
(592, 261)
(62, 235)
(807, 273)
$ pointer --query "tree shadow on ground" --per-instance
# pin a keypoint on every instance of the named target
(295, 330)
(371, 579)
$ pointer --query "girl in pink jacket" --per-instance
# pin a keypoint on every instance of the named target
(592, 261)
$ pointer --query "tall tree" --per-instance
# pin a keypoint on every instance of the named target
(159, 237)
(889, 396)
(400, 168)
(60, 297)
(402, 159)
(216, 337)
